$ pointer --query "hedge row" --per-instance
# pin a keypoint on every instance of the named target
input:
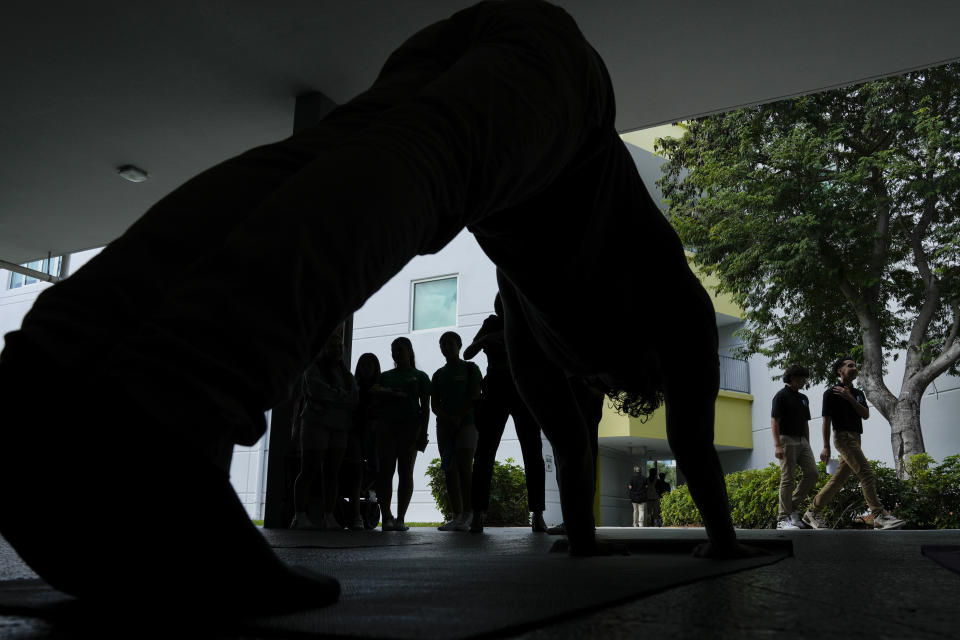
(928, 498)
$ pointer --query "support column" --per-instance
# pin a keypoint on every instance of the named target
(282, 465)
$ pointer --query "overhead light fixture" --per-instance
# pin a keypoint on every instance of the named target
(132, 173)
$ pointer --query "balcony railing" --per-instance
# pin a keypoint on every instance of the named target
(734, 374)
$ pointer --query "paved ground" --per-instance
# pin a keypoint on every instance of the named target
(838, 584)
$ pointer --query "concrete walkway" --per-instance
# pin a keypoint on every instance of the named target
(837, 584)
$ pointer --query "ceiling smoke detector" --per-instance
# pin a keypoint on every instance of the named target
(132, 173)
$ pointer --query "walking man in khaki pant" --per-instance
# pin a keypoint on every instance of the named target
(845, 407)
(790, 423)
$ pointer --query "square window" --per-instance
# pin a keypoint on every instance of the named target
(435, 303)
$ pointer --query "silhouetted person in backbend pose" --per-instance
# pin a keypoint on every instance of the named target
(499, 401)
(330, 397)
(403, 411)
(454, 389)
(499, 119)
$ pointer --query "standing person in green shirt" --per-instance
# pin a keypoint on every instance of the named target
(455, 388)
(402, 416)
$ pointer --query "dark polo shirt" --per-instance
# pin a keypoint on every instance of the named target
(793, 410)
(842, 415)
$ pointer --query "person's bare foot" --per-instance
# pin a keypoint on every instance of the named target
(537, 524)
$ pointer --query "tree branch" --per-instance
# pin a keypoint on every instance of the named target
(939, 365)
(931, 291)
(952, 336)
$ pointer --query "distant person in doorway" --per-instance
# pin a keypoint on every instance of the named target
(789, 421)
(663, 487)
(403, 395)
(455, 388)
(361, 456)
(637, 490)
(330, 396)
(500, 119)
(651, 500)
(499, 401)
(844, 409)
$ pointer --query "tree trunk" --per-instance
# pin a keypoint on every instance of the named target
(906, 438)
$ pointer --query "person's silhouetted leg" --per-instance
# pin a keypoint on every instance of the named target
(546, 390)
(531, 446)
(405, 465)
(384, 482)
(491, 418)
(311, 466)
(332, 460)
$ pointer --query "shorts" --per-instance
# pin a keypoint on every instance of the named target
(317, 438)
(464, 436)
(396, 438)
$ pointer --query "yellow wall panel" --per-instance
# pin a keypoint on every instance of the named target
(732, 424)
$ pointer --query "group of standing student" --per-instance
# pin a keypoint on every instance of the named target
(345, 418)
(385, 415)
(844, 409)
(645, 494)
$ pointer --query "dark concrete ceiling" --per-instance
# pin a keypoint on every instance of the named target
(174, 87)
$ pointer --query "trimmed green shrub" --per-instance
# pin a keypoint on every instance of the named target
(933, 499)
(678, 510)
(508, 494)
(929, 498)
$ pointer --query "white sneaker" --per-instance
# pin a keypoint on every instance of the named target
(814, 521)
(796, 519)
(887, 521)
(449, 524)
(463, 521)
(786, 522)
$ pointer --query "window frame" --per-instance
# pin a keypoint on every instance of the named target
(413, 301)
(44, 267)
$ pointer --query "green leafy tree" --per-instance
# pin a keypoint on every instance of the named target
(834, 220)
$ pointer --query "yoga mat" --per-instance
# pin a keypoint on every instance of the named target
(288, 539)
(460, 586)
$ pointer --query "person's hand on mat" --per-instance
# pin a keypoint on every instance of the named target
(735, 551)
